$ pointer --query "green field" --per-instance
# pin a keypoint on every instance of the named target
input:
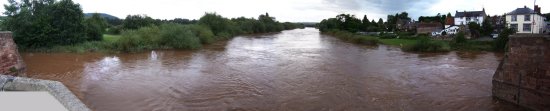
(110, 38)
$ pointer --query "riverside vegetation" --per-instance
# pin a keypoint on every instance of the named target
(346, 26)
(60, 26)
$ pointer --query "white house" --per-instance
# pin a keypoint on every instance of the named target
(463, 18)
(526, 20)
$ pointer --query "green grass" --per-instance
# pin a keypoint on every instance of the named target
(398, 42)
(110, 38)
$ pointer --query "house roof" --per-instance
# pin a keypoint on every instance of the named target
(521, 11)
(470, 14)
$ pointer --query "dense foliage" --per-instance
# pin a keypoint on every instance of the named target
(437, 18)
(347, 22)
(354, 38)
(502, 41)
(138, 21)
(45, 23)
(50, 25)
(424, 44)
(95, 27)
(211, 27)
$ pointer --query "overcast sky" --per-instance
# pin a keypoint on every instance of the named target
(298, 10)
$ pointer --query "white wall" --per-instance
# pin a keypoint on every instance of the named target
(536, 28)
(463, 21)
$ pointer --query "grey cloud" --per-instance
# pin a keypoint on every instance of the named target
(413, 7)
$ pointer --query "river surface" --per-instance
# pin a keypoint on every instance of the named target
(296, 70)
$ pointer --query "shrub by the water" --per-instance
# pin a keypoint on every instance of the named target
(351, 37)
(502, 41)
(166, 36)
(425, 44)
(205, 35)
(179, 37)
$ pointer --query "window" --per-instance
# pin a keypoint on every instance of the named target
(527, 18)
(514, 18)
(514, 26)
(527, 27)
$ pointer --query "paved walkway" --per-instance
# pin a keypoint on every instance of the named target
(29, 101)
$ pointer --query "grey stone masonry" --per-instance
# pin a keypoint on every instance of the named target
(57, 89)
(523, 77)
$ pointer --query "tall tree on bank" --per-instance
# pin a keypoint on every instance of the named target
(95, 27)
(366, 23)
(44, 23)
(137, 21)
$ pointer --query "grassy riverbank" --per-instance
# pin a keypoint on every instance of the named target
(166, 35)
(414, 43)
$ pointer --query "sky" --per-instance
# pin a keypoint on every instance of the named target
(298, 10)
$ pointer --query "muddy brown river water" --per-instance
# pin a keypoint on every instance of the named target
(296, 70)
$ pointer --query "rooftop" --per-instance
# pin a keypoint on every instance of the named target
(470, 13)
(521, 11)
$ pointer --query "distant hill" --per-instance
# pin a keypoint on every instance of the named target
(104, 15)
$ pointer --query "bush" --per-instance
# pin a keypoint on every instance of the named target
(388, 36)
(351, 37)
(165, 36)
(115, 30)
(426, 45)
(178, 37)
(367, 40)
(502, 41)
(459, 38)
(143, 38)
(45, 23)
(205, 35)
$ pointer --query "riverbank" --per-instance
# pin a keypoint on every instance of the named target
(104, 46)
(416, 43)
(111, 44)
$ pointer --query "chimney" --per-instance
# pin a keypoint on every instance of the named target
(525, 6)
(537, 9)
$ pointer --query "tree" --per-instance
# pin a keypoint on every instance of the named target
(44, 23)
(487, 28)
(366, 23)
(271, 25)
(475, 29)
(349, 22)
(216, 23)
(137, 21)
(502, 41)
(381, 26)
(95, 27)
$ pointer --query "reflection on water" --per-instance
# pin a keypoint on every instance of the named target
(293, 70)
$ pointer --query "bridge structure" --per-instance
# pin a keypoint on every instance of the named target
(523, 76)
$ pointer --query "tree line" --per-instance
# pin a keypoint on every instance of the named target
(47, 23)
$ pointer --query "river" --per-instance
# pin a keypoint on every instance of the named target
(295, 70)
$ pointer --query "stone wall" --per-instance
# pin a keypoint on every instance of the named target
(55, 88)
(10, 60)
(523, 77)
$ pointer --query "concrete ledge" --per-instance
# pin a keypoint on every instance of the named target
(57, 89)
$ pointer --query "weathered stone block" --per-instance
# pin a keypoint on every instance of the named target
(11, 62)
(523, 77)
